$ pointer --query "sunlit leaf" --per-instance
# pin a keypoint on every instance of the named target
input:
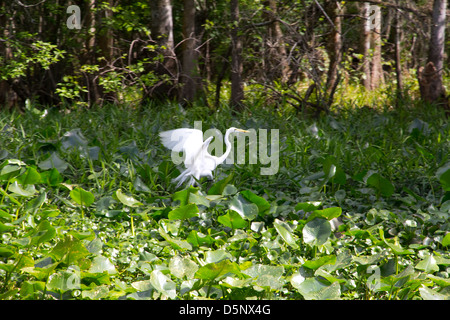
(316, 232)
(285, 233)
(127, 200)
(82, 197)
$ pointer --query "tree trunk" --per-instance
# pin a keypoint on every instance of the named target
(334, 11)
(277, 64)
(377, 70)
(366, 45)
(398, 63)
(237, 87)
(162, 34)
(430, 77)
(190, 74)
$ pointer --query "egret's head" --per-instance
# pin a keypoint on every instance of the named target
(233, 129)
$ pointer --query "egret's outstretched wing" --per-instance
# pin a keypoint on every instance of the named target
(189, 141)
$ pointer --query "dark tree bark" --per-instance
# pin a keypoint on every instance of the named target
(237, 87)
(366, 46)
(162, 34)
(334, 10)
(376, 77)
(190, 73)
(398, 49)
(430, 77)
(277, 62)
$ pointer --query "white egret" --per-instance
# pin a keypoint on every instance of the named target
(197, 160)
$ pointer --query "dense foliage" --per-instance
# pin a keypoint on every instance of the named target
(358, 210)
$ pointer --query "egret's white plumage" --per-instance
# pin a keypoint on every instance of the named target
(197, 160)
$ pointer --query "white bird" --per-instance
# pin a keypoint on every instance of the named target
(197, 160)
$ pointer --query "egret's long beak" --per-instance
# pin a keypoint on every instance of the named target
(240, 130)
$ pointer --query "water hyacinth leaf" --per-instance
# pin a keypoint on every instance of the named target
(99, 292)
(43, 233)
(51, 177)
(19, 190)
(34, 204)
(217, 255)
(430, 294)
(317, 263)
(183, 195)
(127, 200)
(380, 184)
(10, 168)
(257, 270)
(53, 162)
(163, 284)
(82, 197)
(313, 289)
(443, 174)
(175, 243)
(198, 239)
(308, 206)
(396, 248)
(212, 271)
(285, 233)
(316, 232)
(71, 251)
(102, 264)
(185, 212)
(327, 213)
(30, 176)
(446, 240)
(246, 210)
(73, 139)
(232, 220)
(428, 264)
(219, 186)
(182, 267)
(261, 203)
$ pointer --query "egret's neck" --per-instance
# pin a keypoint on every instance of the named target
(228, 149)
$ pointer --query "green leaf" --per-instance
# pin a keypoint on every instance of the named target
(328, 213)
(212, 271)
(248, 211)
(446, 240)
(396, 248)
(10, 169)
(36, 203)
(51, 177)
(308, 206)
(262, 203)
(285, 233)
(380, 184)
(163, 284)
(232, 220)
(185, 212)
(428, 264)
(70, 251)
(82, 197)
(102, 264)
(317, 263)
(430, 294)
(30, 176)
(182, 267)
(219, 186)
(316, 232)
(44, 232)
(53, 162)
(17, 189)
(198, 239)
(127, 200)
(443, 174)
(313, 289)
